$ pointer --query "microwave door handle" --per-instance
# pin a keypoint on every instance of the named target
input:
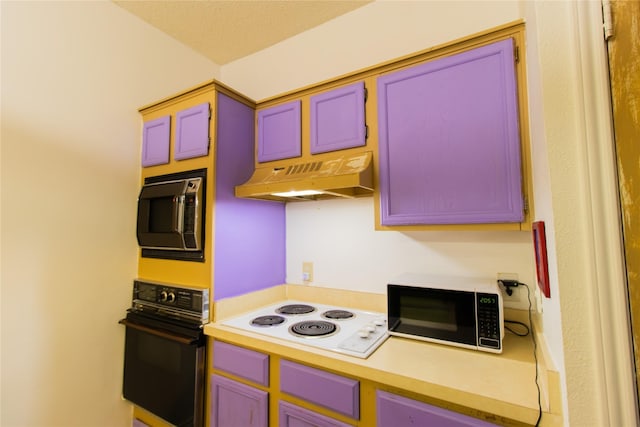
(177, 214)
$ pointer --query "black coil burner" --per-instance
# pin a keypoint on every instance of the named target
(313, 328)
(267, 320)
(296, 309)
(337, 314)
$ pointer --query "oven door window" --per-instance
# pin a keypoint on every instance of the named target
(161, 375)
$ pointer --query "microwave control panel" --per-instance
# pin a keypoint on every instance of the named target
(488, 312)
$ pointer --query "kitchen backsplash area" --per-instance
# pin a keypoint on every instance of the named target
(338, 238)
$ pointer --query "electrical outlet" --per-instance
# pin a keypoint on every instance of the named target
(515, 297)
(307, 272)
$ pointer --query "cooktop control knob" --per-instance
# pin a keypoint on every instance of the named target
(363, 333)
(370, 327)
(379, 322)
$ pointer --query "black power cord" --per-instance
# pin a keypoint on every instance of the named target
(508, 286)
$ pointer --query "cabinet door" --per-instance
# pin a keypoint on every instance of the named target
(396, 411)
(449, 140)
(279, 132)
(235, 404)
(155, 141)
(294, 416)
(192, 132)
(338, 119)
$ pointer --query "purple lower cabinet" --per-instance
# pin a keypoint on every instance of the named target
(234, 404)
(323, 388)
(290, 415)
(397, 411)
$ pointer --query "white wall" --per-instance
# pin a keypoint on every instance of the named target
(338, 237)
(375, 33)
(73, 77)
(587, 315)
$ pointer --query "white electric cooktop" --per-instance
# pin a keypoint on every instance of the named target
(343, 330)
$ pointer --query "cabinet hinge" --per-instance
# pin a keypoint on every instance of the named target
(525, 205)
(366, 94)
(607, 21)
(366, 132)
(516, 53)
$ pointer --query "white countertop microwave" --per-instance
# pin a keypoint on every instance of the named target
(463, 312)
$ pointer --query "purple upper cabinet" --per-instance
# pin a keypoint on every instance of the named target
(338, 119)
(155, 141)
(192, 132)
(449, 140)
(279, 132)
(397, 411)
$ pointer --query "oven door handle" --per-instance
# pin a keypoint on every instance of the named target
(163, 334)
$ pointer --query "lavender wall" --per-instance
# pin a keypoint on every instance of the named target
(249, 234)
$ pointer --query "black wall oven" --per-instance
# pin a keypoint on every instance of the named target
(165, 352)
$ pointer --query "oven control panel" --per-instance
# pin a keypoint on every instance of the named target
(170, 299)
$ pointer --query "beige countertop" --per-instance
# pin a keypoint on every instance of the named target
(502, 385)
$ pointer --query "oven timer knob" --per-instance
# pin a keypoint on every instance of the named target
(167, 296)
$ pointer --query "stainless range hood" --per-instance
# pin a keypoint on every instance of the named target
(345, 176)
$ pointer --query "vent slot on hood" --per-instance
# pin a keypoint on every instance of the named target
(302, 168)
(342, 176)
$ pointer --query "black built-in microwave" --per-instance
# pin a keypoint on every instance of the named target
(171, 216)
(463, 312)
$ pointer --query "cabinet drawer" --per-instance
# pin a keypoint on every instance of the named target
(290, 415)
(332, 391)
(242, 362)
(398, 411)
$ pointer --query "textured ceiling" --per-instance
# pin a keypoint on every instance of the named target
(224, 31)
